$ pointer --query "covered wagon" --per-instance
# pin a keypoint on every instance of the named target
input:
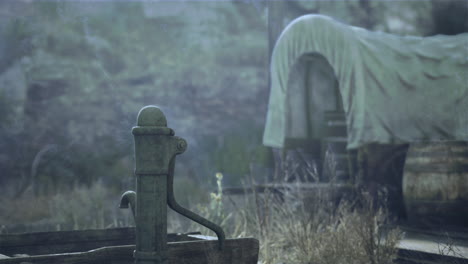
(391, 91)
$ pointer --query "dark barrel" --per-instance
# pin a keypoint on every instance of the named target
(336, 158)
(435, 183)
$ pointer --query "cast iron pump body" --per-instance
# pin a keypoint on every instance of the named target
(155, 151)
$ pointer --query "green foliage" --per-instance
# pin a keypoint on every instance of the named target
(5, 109)
(233, 157)
(17, 42)
(263, 156)
(108, 66)
(232, 152)
(215, 212)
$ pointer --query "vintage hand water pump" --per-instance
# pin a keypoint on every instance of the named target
(155, 151)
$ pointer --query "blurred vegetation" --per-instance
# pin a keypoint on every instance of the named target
(74, 74)
(91, 66)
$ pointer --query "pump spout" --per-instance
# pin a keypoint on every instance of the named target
(128, 199)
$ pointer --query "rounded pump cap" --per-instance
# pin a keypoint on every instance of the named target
(151, 116)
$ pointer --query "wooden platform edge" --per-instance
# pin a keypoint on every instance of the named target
(408, 256)
(277, 187)
(236, 251)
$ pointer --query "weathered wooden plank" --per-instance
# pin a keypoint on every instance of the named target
(406, 256)
(41, 243)
(67, 236)
(274, 187)
(426, 246)
(64, 241)
(236, 251)
(105, 255)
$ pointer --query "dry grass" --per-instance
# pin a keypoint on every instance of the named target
(290, 232)
(82, 208)
(89, 208)
(25, 209)
(290, 228)
(449, 248)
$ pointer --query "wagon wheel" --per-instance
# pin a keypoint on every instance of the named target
(391, 173)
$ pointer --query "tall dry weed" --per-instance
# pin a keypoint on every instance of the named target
(292, 229)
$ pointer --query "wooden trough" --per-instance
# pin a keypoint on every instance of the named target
(116, 246)
(147, 243)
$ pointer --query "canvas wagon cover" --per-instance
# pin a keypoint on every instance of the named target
(393, 88)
